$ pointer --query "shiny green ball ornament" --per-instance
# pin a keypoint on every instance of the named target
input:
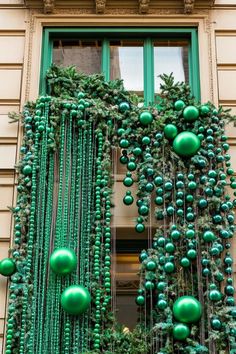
(149, 285)
(145, 118)
(128, 199)
(149, 187)
(143, 256)
(202, 203)
(151, 265)
(187, 309)
(162, 304)
(169, 267)
(209, 236)
(63, 261)
(191, 113)
(170, 247)
(215, 295)
(124, 143)
(158, 181)
(27, 170)
(143, 210)
(181, 331)
(186, 144)
(146, 140)
(179, 105)
(7, 267)
(185, 262)
(131, 166)
(128, 181)
(204, 110)
(75, 300)
(192, 254)
(216, 324)
(124, 106)
(137, 151)
(139, 227)
(170, 131)
(140, 300)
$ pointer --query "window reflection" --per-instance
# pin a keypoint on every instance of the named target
(84, 54)
(126, 60)
(170, 57)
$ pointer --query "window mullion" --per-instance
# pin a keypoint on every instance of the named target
(148, 70)
(106, 58)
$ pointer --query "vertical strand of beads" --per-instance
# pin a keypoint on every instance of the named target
(39, 240)
(98, 244)
(26, 301)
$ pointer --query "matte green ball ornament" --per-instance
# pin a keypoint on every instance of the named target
(63, 261)
(186, 144)
(187, 309)
(7, 267)
(145, 118)
(191, 113)
(181, 331)
(179, 105)
(170, 131)
(75, 299)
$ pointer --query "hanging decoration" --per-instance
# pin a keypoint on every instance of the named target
(60, 295)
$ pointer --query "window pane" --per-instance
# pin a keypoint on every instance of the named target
(126, 60)
(84, 54)
(170, 58)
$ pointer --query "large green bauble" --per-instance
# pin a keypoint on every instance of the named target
(170, 131)
(63, 261)
(186, 144)
(75, 299)
(187, 309)
(191, 113)
(181, 331)
(7, 267)
(145, 118)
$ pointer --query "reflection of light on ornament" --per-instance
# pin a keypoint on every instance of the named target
(126, 330)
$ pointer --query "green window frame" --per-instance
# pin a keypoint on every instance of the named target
(146, 34)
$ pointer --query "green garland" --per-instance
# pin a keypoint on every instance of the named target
(64, 202)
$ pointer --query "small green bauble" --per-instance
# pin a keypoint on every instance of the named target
(204, 110)
(187, 309)
(185, 262)
(128, 199)
(170, 131)
(192, 254)
(159, 200)
(137, 151)
(145, 118)
(151, 265)
(63, 261)
(181, 331)
(190, 233)
(216, 324)
(124, 143)
(27, 170)
(191, 113)
(140, 300)
(215, 295)
(149, 187)
(75, 299)
(7, 267)
(158, 181)
(131, 166)
(146, 140)
(202, 203)
(124, 106)
(128, 181)
(149, 285)
(162, 304)
(169, 267)
(139, 227)
(179, 105)
(186, 144)
(209, 236)
(170, 247)
(143, 210)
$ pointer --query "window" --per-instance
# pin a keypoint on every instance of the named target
(138, 56)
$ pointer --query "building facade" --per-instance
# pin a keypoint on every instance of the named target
(33, 33)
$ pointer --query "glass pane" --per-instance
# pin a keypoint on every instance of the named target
(84, 54)
(126, 60)
(171, 58)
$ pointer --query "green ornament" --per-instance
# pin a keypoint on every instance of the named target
(191, 113)
(186, 144)
(139, 227)
(7, 267)
(159, 200)
(170, 247)
(158, 181)
(149, 285)
(162, 304)
(204, 110)
(143, 210)
(124, 106)
(209, 236)
(149, 187)
(145, 118)
(185, 263)
(187, 309)
(192, 254)
(128, 199)
(140, 300)
(151, 265)
(131, 166)
(124, 159)
(124, 143)
(202, 203)
(169, 267)
(137, 151)
(181, 331)
(120, 131)
(63, 261)
(216, 324)
(179, 105)
(75, 299)
(27, 170)
(146, 140)
(128, 181)
(170, 131)
(215, 295)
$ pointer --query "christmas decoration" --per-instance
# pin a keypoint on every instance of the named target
(185, 297)
(7, 267)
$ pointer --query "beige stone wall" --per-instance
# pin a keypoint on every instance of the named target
(20, 52)
(12, 43)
